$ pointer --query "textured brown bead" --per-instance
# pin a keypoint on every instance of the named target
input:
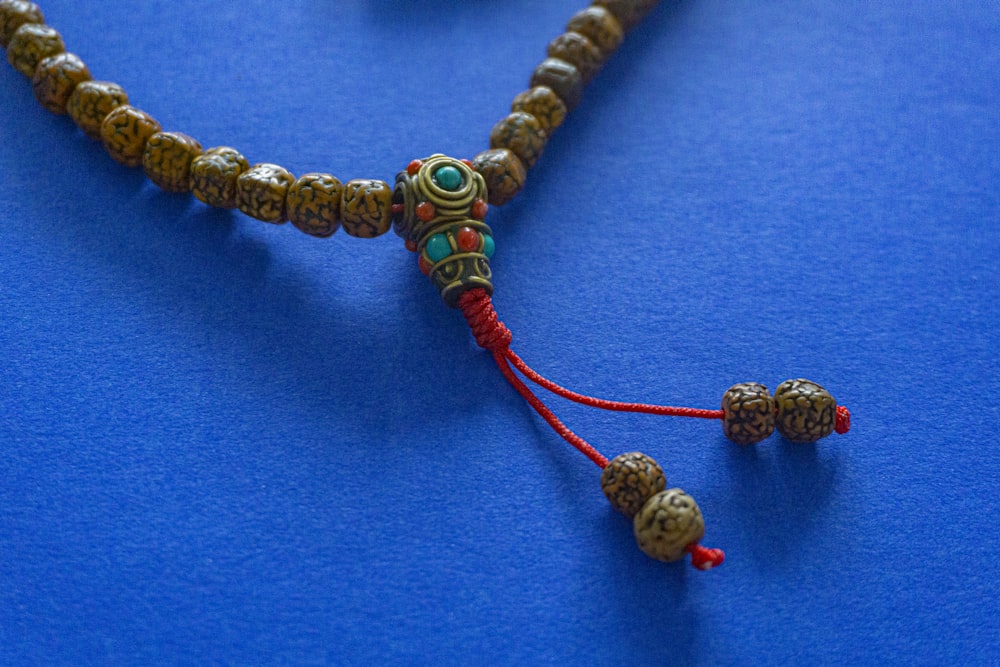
(91, 102)
(56, 78)
(214, 174)
(366, 208)
(167, 160)
(313, 204)
(629, 480)
(522, 134)
(542, 103)
(667, 524)
(14, 14)
(503, 172)
(628, 12)
(261, 192)
(579, 51)
(563, 78)
(31, 44)
(749, 412)
(125, 132)
(806, 411)
(599, 26)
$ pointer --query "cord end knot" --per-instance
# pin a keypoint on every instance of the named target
(843, 424)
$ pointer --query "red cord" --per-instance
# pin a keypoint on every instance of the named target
(705, 559)
(564, 431)
(604, 404)
(843, 424)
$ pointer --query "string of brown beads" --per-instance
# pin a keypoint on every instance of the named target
(556, 86)
(801, 410)
(666, 522)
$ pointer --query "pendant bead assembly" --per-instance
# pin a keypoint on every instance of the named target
(438, 206)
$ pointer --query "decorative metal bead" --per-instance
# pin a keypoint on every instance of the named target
(503, 172)
(261, 191)
(542, 103)
(439, 204)
(125, 132)
(91, 102)
(522, 134)
(600, 26)
(806, 411)
(667, 524)
(167, 160)
(579, 51)
(313, 204)
(629, 480)
(749, 412)
(56, 78)
(366, 208)
(214, 174)
(31, 44)
(14, 14)
(563, 78)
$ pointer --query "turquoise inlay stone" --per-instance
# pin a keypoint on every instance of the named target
(438, 247)
(448, 178)
(489, 247)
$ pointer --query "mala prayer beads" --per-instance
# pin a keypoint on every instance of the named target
(438, 206)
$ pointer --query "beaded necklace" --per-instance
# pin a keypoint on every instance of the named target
(438, 205)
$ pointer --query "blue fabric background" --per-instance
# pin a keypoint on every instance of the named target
(226, 442)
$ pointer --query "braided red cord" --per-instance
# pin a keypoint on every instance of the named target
(843, 424)
(564, 431)
(605, 404)
(490, 332)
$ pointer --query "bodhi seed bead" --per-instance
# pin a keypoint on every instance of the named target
(806, 411)
(366, 208)
(749, 411)
(167, 160)
(544, 105)
(31, 44)
(55, 79)
(14, 14)
(91, 102)
(579, 51)
(503, 172)
(599, 26)
(667, 524)
(313, 204)
(522, 134)
(125, 132)
(261, 192)
(214, 174)
(629, 480)
(563, 78)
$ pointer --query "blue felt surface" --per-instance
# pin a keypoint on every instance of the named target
(226, 442)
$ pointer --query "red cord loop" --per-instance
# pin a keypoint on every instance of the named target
(703, 558)
(843, 424)
(491, 334)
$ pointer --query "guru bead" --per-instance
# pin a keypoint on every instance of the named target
(214, 174)
(749, 413)
(503, 173)
(438, 206)
(806, 411)
(31, 44)
(14, 14)
(668, 524)
(56, 78)
(125, 132)
(629, 480)
(91, 102)
(167, 160)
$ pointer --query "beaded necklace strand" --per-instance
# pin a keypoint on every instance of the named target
(438, 206)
